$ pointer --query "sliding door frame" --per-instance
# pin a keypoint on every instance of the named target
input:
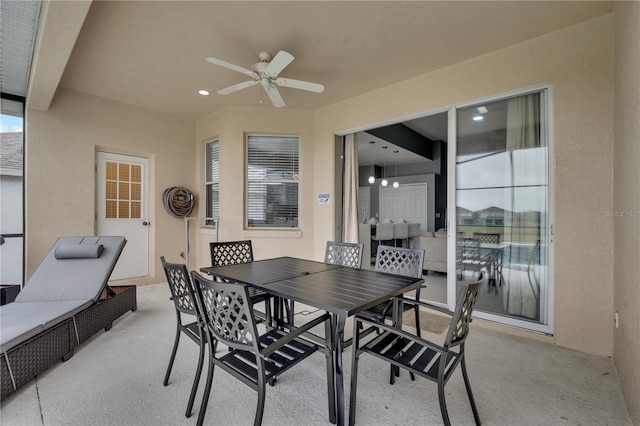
(546, 111)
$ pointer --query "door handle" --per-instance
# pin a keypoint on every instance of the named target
(145, 223)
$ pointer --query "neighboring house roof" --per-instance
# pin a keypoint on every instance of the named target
(11, 154)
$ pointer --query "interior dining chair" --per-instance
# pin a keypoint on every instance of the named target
(404, 350)
(252, 358)
(235, 252)
(384, 233)
(400, 232)
(414, 231)
(184, 301)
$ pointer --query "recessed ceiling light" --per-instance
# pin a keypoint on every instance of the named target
(203, 92)
(483, 110)
(478, 118)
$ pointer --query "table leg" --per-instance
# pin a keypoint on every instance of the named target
(331, 377)
(339, 323)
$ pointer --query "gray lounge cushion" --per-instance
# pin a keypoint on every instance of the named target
(73, 278)
(19, 321)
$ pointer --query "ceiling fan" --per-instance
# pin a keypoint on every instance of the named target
(266, 73)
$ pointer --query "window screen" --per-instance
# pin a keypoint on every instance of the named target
(212, 179)
(272, 181)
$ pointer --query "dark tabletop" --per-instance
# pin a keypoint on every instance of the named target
(333, 288)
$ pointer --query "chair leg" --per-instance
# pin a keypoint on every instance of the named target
(173, 357)
(443, 404)
(261, 397)
(267, 313)
(465, 376)
(196, 379)
(354, 375)
(207, 388)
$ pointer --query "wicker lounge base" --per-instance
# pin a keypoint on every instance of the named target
(26, 360)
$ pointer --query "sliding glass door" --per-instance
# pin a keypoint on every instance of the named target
(502, 207)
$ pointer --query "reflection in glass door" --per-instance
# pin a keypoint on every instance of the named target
(502, 199)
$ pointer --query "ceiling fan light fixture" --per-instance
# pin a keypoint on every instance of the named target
(266, 73)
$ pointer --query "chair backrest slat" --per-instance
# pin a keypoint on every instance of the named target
(231, 252)
(400, 261)
(180, 286)
(344, 254)
(228, 313)
(459, 327)
(487, 238)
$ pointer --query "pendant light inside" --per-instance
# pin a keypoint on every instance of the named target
(395, 182)
(384, 171)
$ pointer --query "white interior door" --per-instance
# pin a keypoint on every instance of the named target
(122, 209)
(407, 202)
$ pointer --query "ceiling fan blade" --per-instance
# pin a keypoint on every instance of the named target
(237, 87)
(278, 63)
(274, 95)
(232, 67)
(299, 84)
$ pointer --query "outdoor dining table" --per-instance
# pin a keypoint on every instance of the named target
(338, 290)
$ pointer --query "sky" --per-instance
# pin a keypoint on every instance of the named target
(9, 123)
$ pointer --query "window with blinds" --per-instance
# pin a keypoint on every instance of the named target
(272, 181)
(212, 179)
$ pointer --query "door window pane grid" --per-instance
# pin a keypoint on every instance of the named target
(123, 190)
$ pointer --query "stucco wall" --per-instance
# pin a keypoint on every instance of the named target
(627, 202)
(577, 62)
(60, 169)
(231, 126)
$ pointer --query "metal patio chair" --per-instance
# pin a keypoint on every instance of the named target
(235, 252)
(419, 356)
(184, 301)
(252, 358)
(399, 261)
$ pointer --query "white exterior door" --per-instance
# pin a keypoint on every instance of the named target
(122, 198)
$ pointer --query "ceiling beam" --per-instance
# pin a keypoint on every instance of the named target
(58, 29)
(404, 137)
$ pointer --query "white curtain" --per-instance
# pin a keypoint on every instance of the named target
(523, 122)
(350, 225)
(528, 169)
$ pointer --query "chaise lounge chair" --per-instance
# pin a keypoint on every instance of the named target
(65, 302)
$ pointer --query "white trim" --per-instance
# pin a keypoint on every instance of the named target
(451, 194)
(452, 150)
(505, 95)
(547, 110)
